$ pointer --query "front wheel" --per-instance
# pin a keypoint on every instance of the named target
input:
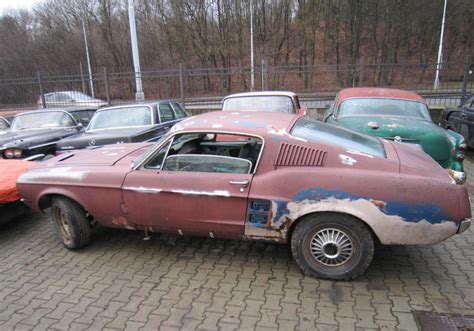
(71, 223)
(332, 246)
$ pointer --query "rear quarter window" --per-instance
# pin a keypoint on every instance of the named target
(331, 135)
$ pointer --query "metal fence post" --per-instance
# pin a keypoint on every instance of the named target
(467, 68)
(106, 84)
(264, 75)
(40, 84)
(181, 83)
(361, 71)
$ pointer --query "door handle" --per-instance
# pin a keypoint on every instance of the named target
(243, 183)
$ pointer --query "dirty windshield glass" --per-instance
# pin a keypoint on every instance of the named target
(332, 135)
(121, 118)
(42, 120)
(280, 104)
(384, 107)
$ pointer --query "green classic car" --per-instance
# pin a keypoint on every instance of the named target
(400, 116)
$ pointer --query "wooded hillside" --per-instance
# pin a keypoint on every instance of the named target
(215, 33)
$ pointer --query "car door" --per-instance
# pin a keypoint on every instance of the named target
(164, 197)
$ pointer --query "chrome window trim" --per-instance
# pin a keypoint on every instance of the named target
(153, 150)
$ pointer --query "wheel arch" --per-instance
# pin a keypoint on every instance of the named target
(330, 212)
(45, 200)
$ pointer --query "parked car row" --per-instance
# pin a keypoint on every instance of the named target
(45, 132)
(267, 173)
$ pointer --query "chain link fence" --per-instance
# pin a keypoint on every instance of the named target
(202, 89)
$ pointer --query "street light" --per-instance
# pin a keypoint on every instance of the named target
(252, 68)
(91, 83)
(440, 49)
(139, 95)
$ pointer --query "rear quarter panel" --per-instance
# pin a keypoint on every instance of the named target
(399, 208)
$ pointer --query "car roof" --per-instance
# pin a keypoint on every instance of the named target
(133, 104)
(262, 123)
(377, 92)
(262, 93)
(45, 110)
(71, 109)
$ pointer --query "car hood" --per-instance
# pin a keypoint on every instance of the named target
(101, 137)
(434, 140)
(31, 138)
(99, 156)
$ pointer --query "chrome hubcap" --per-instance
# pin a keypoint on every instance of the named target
(331, 247)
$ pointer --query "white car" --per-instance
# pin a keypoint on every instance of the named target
(272, 101)
(69, 98)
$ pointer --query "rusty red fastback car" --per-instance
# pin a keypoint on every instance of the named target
(329, 192)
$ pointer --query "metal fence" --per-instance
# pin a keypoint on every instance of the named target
(203, 89)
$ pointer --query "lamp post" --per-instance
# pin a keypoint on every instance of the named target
(440, 49)
(91, 83)
(139, 95)
(252, 68)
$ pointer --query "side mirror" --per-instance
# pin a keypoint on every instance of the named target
(80, 126)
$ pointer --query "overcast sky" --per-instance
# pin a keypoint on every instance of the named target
(17, 4)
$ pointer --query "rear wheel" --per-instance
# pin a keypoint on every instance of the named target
(332, 246)
(71, 223)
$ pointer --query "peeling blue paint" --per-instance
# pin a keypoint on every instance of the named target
(410, 212)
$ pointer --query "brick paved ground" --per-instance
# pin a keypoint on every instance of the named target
(123, 282)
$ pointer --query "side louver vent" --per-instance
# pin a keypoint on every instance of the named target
(292, 155)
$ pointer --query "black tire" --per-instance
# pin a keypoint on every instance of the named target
(345, 257)
(71, 223)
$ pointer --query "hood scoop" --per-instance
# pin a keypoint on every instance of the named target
(293, 155)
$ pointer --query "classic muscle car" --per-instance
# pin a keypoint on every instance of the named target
(10, 204)
(272, 101)
(400, 116)
(461, 119)
(4, 125)
(137, 122)
(35, 133)
(329, 192)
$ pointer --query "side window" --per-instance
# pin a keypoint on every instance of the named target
(180, 113)
(166, 112)
(3, 124)
(209, 152)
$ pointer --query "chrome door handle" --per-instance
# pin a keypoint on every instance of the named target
(243, 183)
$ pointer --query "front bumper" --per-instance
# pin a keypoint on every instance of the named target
(464, 225)
(458, 176)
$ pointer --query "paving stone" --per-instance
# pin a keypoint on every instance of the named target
(121, 282)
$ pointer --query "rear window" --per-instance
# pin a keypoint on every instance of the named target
(327, 134)
(272, 103)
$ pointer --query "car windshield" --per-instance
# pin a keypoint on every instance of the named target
(277, 103)
(384, 107)
(327, 134)
(123, 117)
(42, 120)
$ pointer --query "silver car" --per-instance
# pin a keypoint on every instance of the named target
(69, 98)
